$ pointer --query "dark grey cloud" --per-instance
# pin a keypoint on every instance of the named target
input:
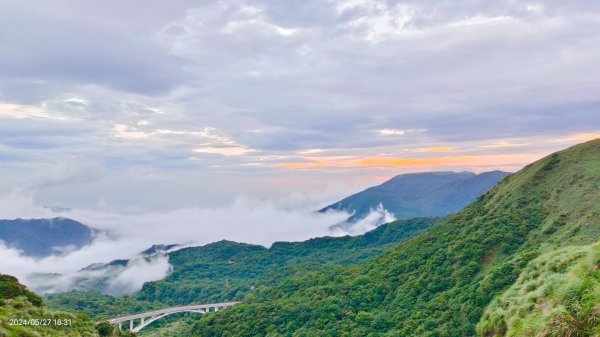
(71, 46)
(446, 69)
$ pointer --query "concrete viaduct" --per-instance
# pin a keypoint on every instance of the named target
(146, 318)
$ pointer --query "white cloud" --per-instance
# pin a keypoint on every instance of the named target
(76, 100)
(138, 272)
(376, 217)
(208, 140)
(503, 144)
(122, 131)
(17, 204)
(481, 20)
(391, 132)
(310, 151)
(382, 23)
(292, 218)
(256, 21)
(8, 110)
(155, 110)
(225, 151)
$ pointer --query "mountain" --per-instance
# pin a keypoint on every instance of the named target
(102, 277)
(203, 271)
(44, 237)
(158, 249)
(420, 194)
(226, 271)
(440, 282)
(154, 251)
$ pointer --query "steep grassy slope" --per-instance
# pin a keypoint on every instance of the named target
(438, 283)
(22, 314)
(19, 308)
(558, 294)
(420, 194)
(225, 271)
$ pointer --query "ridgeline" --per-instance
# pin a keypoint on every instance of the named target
(439, 283)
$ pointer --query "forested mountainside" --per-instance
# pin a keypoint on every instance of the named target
(22, 314)
(227, 271)
(43, 237)
(440, 283)
(420, 194)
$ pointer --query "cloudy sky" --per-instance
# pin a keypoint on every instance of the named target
(139, 106)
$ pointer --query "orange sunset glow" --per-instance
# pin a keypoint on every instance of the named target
(407, 162)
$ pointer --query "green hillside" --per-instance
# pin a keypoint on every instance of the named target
(22, 314)
(439, 283)
(227, 271)
(558, 294)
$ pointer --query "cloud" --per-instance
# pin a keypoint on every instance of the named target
(17, 204)
(377, 216)
(391, 132)
(588, 136)
(197, 99)
(123, 131)
(225, 151)
(211, 141)
(503, 144)
(310, 151)
(55, 52)
(426, 163)
(439, 149)
(107, 278)
(19, 111)
(292, 218)
(139, 272)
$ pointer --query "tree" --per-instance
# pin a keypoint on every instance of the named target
(105, 329)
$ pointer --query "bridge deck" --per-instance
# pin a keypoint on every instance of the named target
(171, 310)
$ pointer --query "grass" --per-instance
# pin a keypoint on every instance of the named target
(23, 314)
(21, 308)
(557, 295)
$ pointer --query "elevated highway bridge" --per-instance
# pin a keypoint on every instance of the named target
(139, 321)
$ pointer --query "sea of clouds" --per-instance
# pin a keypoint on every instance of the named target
(124, 236)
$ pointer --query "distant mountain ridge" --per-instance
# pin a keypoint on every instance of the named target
(414, 195)
(45, 237)
(99, 276)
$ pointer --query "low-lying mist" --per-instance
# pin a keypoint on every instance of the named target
(124, 236)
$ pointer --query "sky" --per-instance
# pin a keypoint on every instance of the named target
(152, 106)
